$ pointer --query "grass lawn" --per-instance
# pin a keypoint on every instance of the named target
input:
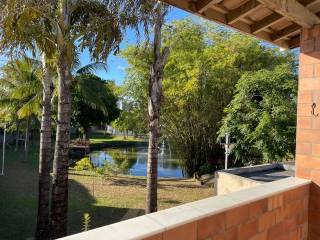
(99, 137)
(106, 200)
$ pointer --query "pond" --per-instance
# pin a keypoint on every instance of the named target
(133, 161)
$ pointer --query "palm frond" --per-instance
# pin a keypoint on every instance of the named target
(92, 68)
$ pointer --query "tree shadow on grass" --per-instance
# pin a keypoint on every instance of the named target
(19, 195)
(81, 201)
(138, 182)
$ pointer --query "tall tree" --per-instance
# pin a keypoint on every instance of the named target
(43, 221)
(155, 97)
(262, 116)
(19, 93)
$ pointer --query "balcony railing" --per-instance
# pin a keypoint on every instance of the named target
(276, 210)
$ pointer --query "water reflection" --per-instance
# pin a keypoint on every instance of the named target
(133, 161)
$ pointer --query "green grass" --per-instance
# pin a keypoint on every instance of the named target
(106, 200)
(99, 137)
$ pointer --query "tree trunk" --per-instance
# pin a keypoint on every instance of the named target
(17, 135)
(61, 155)
(26, 141)
(86, 134)
(43, 221)
(154, 104)
(59, 207)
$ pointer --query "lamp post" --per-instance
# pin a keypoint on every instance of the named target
(226, 147)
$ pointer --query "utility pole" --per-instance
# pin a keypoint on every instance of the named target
(227, 152)
(3, 149)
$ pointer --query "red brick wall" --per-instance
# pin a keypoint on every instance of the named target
(308, 125)
(280, 217)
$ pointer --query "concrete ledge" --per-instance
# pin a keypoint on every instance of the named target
(162, 221)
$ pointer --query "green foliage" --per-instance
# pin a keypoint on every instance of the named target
(86, 222)
(94, 102)
(262, 115)
(84, 164)
(203, 68)
(21, 93)
(20, 88)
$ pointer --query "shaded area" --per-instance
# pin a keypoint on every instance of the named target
(107, 200)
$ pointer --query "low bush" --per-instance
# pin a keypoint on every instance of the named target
(84, 164)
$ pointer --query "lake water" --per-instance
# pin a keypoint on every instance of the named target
(133, 161)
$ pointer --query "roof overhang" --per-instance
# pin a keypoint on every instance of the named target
(275, 21)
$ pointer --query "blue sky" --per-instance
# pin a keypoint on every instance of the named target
(117, 65)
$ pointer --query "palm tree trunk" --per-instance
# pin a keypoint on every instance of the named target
(154, 105)
(43, 221)
(17, 135)
(26, 141)
(61, 156)
(59, 203)
(59, 206)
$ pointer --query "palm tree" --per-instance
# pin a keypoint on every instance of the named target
(20, 92)
(154, 105)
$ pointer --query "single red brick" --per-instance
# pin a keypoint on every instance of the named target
(304, 109)
(310, 83)
(304, 135)
(283, 213)
(308, 162)
(275, 202)
(248, 229)
(305, 96)
(258, 208)
(303, 148)
(210, 226)
(315, 123)
(230, 234)
(315, 149)
(302, 172)
(267, 220)
(303, 217)
(236, 216)
(304, 122)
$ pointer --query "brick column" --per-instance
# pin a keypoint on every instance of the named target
(308, 124)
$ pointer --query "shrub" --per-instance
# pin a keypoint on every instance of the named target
(84, 164)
